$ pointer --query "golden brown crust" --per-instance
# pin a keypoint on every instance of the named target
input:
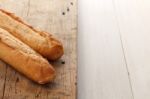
(41, 41)
(24, 59)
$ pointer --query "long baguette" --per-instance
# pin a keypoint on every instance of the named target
(24, 59)
(42, 42)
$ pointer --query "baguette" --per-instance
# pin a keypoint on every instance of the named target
(40, 41)
(25, 60)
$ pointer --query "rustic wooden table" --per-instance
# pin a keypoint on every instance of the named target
(57, 17)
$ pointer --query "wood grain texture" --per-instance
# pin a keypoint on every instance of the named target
(102, 66)
(134, 22)
(57, 17)
(2, 78)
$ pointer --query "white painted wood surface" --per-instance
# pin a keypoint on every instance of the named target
(114, 49)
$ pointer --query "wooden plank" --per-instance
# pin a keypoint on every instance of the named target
(102, 67)
(134, 23)
(2, 78)
(59, 18)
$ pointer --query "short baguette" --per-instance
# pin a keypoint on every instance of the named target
(25, 60)
(40, 41)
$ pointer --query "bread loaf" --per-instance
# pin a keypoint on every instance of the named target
(40, 41)
(25, 60)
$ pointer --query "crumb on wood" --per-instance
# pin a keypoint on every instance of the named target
(17, 80)
(68, 9)
(63, 62)
(71, 3)
(63, 13)
(75, 83)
